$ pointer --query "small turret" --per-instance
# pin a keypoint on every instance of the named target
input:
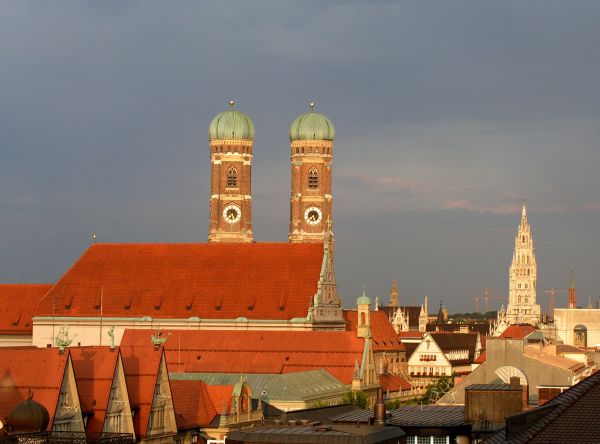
(363, 304)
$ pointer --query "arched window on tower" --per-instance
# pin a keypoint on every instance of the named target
(231, 177)
(313, 179)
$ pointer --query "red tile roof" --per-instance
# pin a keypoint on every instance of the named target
(251, 351)
(197, 404)
(481, 358)
(29, 371)
(141, 365)
(518, 331)
(18, 302)
(94, 371)
(215, 281)
(384, 335)
(393, 383)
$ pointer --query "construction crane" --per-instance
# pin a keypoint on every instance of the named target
(486, 295)
(552, 299)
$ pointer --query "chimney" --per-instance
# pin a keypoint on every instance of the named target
(379, 408)
(515, 382)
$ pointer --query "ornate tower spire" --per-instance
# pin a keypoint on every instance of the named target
(522, 307)
(231, 136)
(311, 137)
(394, 293)
(572, 290)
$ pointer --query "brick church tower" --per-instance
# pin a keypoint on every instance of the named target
(311, 137)
(231, 136)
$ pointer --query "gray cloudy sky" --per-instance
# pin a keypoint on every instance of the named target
(447, 115)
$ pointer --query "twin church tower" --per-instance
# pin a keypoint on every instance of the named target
(231, 136)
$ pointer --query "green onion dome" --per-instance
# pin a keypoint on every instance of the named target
(312, 126)
(364, 299)
(231, 124)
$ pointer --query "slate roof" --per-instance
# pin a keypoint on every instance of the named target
(29, 371)
(323, 415)
(412, 416)
(18, 302)
(141, 366)
(94, 369)
(333, 434)
(251, 351)
(287, 387)
(180, 281)
(457, 341)
(384, 335)
(571, 417)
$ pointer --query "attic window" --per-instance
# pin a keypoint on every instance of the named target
(251, 304)
(218, 302)
(128, 302)
(282, 301)
(158, 303)
(68, 301)
(17, 319)
(189, 303)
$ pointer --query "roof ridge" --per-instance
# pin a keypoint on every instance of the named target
(559, 407)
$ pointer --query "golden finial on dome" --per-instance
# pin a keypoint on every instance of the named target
(232, 103)
(312, 106)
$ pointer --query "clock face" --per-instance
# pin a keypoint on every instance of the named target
(313, 215)
(232, 214)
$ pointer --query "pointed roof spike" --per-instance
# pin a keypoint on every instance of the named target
(356, 374)
(572, 279)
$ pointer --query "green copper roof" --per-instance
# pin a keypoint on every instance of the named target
(231, 124)
(312, 126)
(297, 386)
(364, 299)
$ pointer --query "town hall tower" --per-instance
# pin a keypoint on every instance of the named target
(311, 137)
(522, 305)
(231, 136)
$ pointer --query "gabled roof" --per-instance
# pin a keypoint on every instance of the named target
(571, 417)
(179, 281)
(197, 404)
(384, 335)
(520, 331)
(141, 366)
(29, 371)
(457, 341)
(251, 351)
(18, 302)
(94, 369)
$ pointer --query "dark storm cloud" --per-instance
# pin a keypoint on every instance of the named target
(447, 115)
